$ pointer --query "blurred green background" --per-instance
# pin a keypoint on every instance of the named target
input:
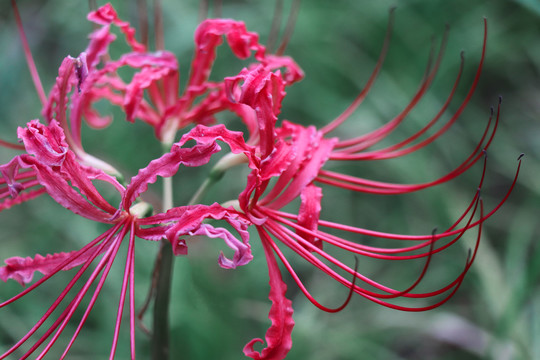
(496, 312)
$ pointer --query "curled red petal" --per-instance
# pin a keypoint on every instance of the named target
(308, 215)
(53, 160)
(9, 174)
(313, 150)
(263, 91)
(22, 270)
(106, 15)
(141, 81)
(292, 72)
(166, 166)
(46, 143)
(98, 46)
(205, 135)
(188, 220)
(278, 336)
(62, 192)
(7, 203)
(208, 37)
(242, 250)
(57, 103)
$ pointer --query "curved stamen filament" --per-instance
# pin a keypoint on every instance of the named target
(28, 54)
(301, 286)
(283, 216)
(106, 262)
(105, 240)
(392, 151)
(360, 98)
(297, 247)
(369, 139)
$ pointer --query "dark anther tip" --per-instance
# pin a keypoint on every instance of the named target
(462, 55)
(433, 232)
(484, 151)
(392, 9)
(491, 110)
(500, 99)
(520, 156)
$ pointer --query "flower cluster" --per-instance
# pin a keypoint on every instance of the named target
(288, 164)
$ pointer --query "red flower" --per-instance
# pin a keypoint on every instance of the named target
(295, 156)
(157, 73)
(71, 185)
(286, 163)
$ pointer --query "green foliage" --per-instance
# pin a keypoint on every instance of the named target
(215, 312)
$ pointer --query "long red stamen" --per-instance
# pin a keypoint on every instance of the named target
(283, 216)
(384, 188)
(128, 278)
(364, 292)
(28, 55)
(107, 236)
(367, 140)
(106, 262)
(10, 145)
(289, 28)
(95, 295)
(302, 287)
(360, 98)
(392, 151)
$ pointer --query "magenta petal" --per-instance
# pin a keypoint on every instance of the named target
(104, 15)
(46, 143)
(22, 269)
(278, 336)
(7, 203)
(98, 46)
(263, 91)
(180, 247)
(57, 103)
(59, 189)
(278, 161)
(308, 215)
(293, 72)
(188, 220)
(140, 81)
(53, 160)
(166, 166)
(159, 59)
(107, 15)
(242, 250)
(9, 173)
(208, 37)
(204, 135)
(313, 152)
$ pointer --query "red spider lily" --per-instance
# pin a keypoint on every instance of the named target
(157, 73)
(286, 163)
(295, 155)
(70, 184)
(92, 76)
(56, 161)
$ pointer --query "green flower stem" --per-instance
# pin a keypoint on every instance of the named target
(164, 263)
(160, 333)
(207, 184)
